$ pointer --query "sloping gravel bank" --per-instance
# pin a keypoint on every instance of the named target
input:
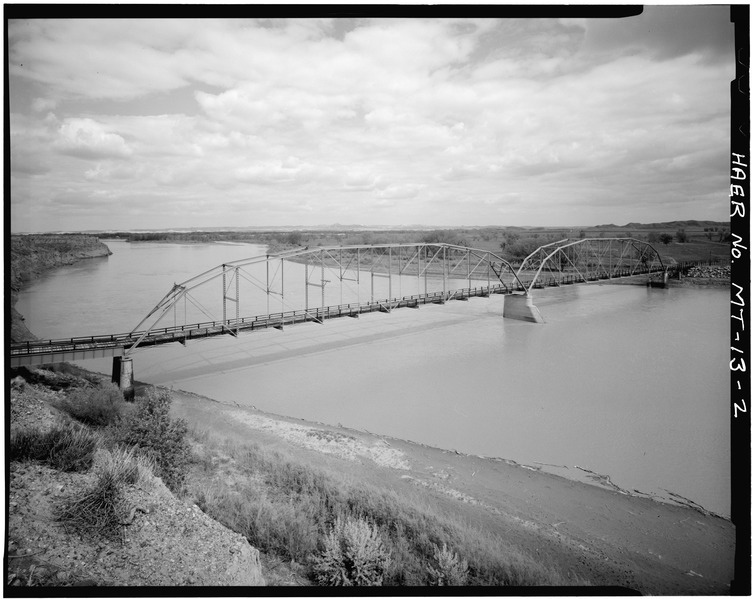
(605, 536)
(168, 542)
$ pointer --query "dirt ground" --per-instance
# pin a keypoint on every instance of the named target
(600, 534)
(167, 542)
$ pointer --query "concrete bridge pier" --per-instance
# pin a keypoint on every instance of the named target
(122, 375)
(519, 306)
(662, 283)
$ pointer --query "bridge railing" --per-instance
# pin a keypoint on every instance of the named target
(183, 332)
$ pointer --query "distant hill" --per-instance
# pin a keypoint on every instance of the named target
(674, 224)
(668, 226)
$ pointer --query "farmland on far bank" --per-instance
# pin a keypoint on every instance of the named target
(682, 241)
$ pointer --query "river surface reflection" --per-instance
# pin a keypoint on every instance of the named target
(623, 381)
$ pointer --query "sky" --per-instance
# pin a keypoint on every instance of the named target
(143, 123)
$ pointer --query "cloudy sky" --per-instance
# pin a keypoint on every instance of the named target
(196, 123)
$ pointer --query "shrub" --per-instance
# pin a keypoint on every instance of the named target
(127, 465)
(95, 406)
(69, 448)
(150, 429)
(101, 509)
(665, 238)
(449, 570)
(353, 555)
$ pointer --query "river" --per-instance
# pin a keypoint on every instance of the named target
(623, 381)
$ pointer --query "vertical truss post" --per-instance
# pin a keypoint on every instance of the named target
(371, 274)
(306, 283)
(224, 293)
(444, 271)
(321, 256)
(237, 300)
(467, 257)
(390, 278)
(418, 271)
(425, 272)
(341, 277)
(267, 285)
(399, 271)
(358, 276)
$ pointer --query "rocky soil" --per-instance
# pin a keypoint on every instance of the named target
(709, 272)
(33, 255)
(167, 543)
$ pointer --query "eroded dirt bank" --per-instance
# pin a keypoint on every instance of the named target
(607, 537)
(166, 542)
(33, 255)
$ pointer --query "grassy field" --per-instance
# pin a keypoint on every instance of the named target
(680, 240)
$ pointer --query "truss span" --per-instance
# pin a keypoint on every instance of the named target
(584, 260)
(314, 283)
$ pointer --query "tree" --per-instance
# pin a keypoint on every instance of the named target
(294, 238)
(681, 236)
(665, 238)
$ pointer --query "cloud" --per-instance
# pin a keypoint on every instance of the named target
(399, 192)
(85, 138)
(360, 181)
(528, 119)
(43, 104)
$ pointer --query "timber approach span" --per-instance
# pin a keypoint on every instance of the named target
(368, 274)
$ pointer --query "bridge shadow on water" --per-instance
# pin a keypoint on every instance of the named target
(172, 363)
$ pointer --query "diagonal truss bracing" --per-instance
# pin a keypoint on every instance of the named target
(315, 283)
(591, 259)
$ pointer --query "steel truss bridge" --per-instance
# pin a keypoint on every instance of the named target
(586, 260)
(304, 285)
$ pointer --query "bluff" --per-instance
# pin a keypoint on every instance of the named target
(33, 255)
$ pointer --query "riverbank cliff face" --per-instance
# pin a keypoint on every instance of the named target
(33, 255)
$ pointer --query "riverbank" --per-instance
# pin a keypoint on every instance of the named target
(166, 541)
(596, 534)
(34, 255)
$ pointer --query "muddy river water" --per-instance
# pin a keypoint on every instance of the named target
(624, 382)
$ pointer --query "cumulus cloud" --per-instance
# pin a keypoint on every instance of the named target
(85, 138)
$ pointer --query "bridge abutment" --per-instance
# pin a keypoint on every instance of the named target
(122, 375)
(519, 306)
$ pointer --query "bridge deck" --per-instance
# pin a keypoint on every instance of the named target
(97, 346)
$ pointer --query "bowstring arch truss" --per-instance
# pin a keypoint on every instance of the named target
(424, 261)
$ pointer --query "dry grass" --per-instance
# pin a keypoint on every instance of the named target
(69, 448)
(286, 510)
(103, 508)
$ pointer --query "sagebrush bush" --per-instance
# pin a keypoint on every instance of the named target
(287, 528)
(450, 570)
(69, 448)
(353, 555)
(285, 510)
(151, 429)
(101, 509)
(127, 465)
(95, 406)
